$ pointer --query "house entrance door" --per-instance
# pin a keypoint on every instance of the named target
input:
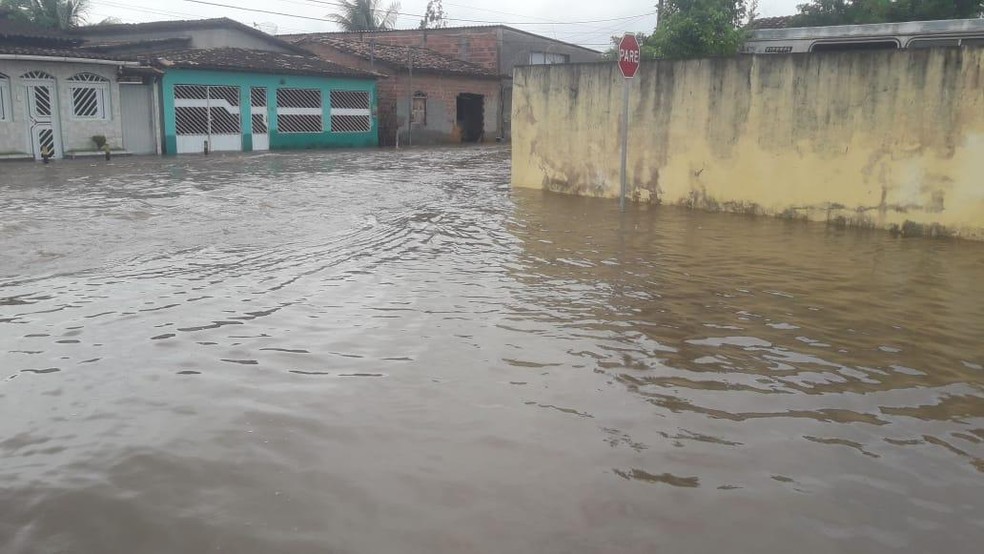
(42, 112)
(258, 116)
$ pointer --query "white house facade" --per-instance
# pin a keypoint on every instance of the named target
(50, 107)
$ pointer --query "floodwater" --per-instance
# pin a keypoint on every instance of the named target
(381, 351)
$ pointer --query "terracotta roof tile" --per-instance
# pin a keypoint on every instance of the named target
(169, 43)
(260, 61)
(22, 50)
(294, 37)
(400, 57)
(92, 31)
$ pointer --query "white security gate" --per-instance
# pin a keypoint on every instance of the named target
(258, 117)
(207, 115)
(299, 111)
(42, 112)
(350, 111)
(137, 112)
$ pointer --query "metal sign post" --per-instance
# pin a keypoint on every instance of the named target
(629, 55)
(625, 141)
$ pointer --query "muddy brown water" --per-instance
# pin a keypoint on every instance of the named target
(379, 351)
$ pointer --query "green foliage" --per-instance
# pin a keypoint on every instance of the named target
(849, 12)
(434, 17)
(365, 15)
(647, 51)
(698, 28)
(53, 14)
(99, 141)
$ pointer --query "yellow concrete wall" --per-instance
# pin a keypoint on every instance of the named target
(892, 140)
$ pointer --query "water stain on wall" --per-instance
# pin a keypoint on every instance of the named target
(873, 139)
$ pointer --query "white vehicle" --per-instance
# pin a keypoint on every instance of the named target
(770, 36)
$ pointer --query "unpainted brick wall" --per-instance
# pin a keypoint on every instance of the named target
(442, 103)
(442, 91)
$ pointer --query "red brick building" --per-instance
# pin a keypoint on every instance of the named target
(497, 48)
(425, 97)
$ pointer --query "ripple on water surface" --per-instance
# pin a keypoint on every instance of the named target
(383, 351)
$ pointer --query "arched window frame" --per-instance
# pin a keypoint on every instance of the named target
(90, 97)
(37, 76)
(6, 106)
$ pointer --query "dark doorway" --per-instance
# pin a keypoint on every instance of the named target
(470, 116)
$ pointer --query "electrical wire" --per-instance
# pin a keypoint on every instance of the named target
(592, 33)
(338, 4)
(542, 20)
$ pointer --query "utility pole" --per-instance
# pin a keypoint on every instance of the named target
(629, 55)
(410, 96)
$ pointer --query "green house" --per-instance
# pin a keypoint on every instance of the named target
(236, 99)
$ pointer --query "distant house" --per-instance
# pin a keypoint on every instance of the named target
(233, 99)
(427, 98)
(54, 97)
(778, 35)
(229, 87)
(496, 48)
(194, 34)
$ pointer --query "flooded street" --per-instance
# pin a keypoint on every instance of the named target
(394, 351)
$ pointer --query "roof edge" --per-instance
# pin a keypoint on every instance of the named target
(444, 29)
(97, 30)
(893, 27)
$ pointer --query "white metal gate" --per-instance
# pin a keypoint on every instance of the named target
(258, 118)
(350, 111)
(137, 112)
(42, 111)
(207, 115)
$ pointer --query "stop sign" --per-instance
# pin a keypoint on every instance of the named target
(628, 56)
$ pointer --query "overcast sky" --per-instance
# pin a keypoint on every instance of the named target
(585, 22)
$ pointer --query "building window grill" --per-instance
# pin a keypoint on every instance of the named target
(299, 110)
(258, 97)
(89, 96)
(41, 87)
(350, 111)
(4, 98)
(42, 100)
(258, 110)
(206, 110)
(259, 124)
(37, 76)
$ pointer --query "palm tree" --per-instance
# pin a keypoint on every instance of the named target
(365, 15)
(55, 14)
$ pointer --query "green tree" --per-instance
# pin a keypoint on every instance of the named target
(53, 14)
(434, 17)
(850, 12)
(365, 15)
(698, 28)
(647, 51)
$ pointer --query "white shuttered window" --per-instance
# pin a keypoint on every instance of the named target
(90, 95)
(299, 110)
(350, 111)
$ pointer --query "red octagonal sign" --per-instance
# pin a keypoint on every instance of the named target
(628, 56)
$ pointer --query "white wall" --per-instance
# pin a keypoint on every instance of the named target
(75, 134)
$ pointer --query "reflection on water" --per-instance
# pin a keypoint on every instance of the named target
(387, 351)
